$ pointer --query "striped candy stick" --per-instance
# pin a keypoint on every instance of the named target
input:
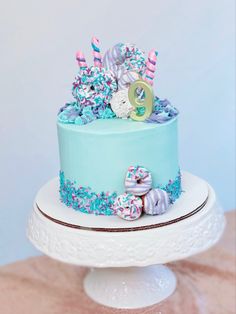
(81, 60)
(150, 67)
(97, 57)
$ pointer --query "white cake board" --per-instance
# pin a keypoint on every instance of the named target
(122, 252)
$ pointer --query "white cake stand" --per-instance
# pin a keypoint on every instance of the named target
(127, 257)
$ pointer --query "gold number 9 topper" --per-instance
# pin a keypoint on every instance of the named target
(146, 103)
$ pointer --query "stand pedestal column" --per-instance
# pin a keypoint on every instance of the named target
(130, 287)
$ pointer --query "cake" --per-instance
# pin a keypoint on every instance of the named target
(118, 142)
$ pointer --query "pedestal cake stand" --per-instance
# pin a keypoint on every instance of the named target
(126, 258)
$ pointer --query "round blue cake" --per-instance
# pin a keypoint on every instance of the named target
(98, 140)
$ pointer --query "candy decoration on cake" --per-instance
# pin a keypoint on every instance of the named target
(125, 55)
(113, 57)
(81, 60)
(125, 78)
(120, 104)
(94, 87)
(151, 66)
(138, 180)
(146, 102)
(156, 202)
(123, 67)
(97, 57)
(128, 206)
(126, 61)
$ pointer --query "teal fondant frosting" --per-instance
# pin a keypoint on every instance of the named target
(98, 154)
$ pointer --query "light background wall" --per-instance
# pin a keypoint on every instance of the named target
(195, 40)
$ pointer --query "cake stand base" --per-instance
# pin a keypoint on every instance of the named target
(123, 253)
(130, 287)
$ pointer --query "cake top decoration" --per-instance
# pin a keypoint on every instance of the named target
(118, 85)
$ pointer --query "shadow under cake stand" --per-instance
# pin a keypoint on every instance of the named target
(127, 257)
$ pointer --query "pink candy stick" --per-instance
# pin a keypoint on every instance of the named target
(97, 57)
(151, 66)
(81, 60)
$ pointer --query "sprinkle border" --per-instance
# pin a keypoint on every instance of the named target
(84, 199)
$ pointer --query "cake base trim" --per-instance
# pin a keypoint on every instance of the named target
(84, 199)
